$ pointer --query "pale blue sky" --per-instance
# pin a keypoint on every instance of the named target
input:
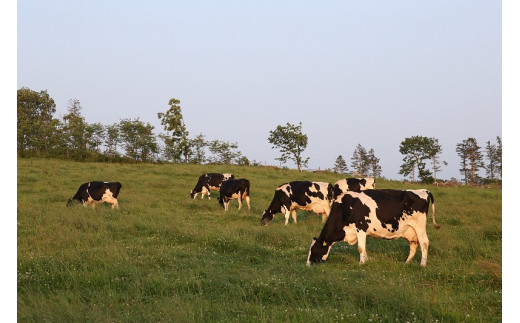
(367, 72)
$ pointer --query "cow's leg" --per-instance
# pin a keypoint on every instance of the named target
(411, 236)
(248, 201)
(226, 205)
(287, 214)
(294, 215)
(324, 217)
(239, 201)
(362, 242)
(203, 192)
(420, 229)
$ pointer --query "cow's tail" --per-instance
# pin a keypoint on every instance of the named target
(430, 199)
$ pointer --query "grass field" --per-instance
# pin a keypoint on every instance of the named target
(163, 257)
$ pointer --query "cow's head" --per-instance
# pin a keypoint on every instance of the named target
(267, 217)
(71, 202)
(318, 252)
(193, 195)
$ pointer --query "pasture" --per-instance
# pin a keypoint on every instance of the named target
(164, 257)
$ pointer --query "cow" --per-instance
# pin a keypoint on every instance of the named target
(234, 189)
(299, 195)
(209, 182)
(353, 185)
(383, 214)
(97, 192)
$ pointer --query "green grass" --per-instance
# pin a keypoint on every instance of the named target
(163, 257)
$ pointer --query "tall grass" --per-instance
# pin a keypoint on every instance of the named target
(163, 257)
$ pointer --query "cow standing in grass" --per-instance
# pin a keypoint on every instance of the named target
(299, 195)
(234, 189)
(97, 192)
(209, 182)
(383, 214)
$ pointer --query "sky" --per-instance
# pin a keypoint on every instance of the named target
(352, 72)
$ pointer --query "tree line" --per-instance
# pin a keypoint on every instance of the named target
(39, 133)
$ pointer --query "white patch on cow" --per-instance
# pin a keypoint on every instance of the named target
(227, 176)
(107, 197)
(370, 184)
(422, 193)
(350, 234)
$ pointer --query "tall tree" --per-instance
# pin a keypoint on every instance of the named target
(417, 149)
(436, 150)
(224, 152)
(340, 166)
(74, 130)
(95, 135)
(291, 142)
(360, 162)
(36, 127)
(112, 140)
(177, 142)
(491, 166)
(472, 159)
(199, 145)
(499, 156)
(139, 140)
(373, 163)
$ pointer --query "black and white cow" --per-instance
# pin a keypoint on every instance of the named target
(234, 189)
(299, 195)
(97, 192)
(383, 214)
(209, 182)
(353, 185)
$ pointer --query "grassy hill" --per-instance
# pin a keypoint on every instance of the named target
(164, 257)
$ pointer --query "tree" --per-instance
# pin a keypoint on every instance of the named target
(498, 156)
(139, 141)
(471, 156)
(224, 152)
(95, 135)
(417, 149)
(36, 127)
(436, 150)
(74, 131)
(373, 163)
(198, 145)
(291, 142)
(340, 166)
(360, 161)
(177, 143)
(492, 166)
(112, 140)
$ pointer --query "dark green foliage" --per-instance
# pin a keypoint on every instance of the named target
(471, 159)
(417, 150)
(164, 257)
(291, 142)
(340, 166)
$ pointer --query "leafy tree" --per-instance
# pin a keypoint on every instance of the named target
(360, 162)
(373, 164)
(417, 149)
(471, 156)
(491, 167)
(498, 156)
(36, 127)
(177, 143)
(95, 135)
(112, 140)
(436, 149)
(198, 145)
(224, 152)
(340, 166)
(291, 142)
(139, 140)
(74, 131)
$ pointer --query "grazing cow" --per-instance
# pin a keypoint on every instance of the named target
(209, 182)
(299, 195)
(234, 189)
(353, 185)
(97, 192)
(384, 214)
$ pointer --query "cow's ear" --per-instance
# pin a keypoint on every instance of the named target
(314, 238)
